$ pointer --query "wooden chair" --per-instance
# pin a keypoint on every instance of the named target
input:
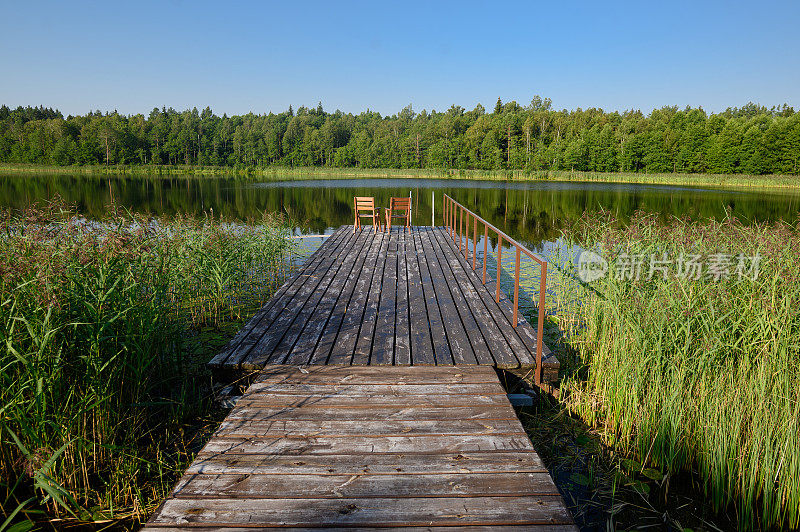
(398, 204)
(365, 204)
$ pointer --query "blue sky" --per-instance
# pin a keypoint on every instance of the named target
(263, 56)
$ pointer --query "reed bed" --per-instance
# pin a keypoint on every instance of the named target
(99, 385)
(283, 173)
(697, 375)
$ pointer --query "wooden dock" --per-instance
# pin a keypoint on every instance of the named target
(375, 402)
(405, 297)
(368, 447)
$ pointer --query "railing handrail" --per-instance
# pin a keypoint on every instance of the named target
(507, 238)
(449, 219)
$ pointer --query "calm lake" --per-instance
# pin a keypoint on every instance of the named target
(531, 211)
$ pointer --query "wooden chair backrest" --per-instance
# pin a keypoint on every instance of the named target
(365, 203)
(400, 204)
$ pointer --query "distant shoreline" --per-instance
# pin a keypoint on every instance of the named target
(771, 181)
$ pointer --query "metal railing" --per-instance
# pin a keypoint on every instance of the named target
(457, 223)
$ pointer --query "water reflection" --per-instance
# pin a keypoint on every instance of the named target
(533, 212)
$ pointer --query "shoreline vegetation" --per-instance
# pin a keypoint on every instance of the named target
(277, 173)
(107, 327)
(690, 381)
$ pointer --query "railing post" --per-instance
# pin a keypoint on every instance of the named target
(450, 217)
(466, 238)
(516, 289)
(444, 210)
(460, 228)
(540, 325)
(453, 219)
(499, 251)
(461, 217)
(475, 242)
(445, 214)
(485, 245)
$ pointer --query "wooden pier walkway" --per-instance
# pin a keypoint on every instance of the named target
(375, 402)
(367, 447)
(406, 297)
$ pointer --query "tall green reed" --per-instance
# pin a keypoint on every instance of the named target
(97, 382)
(697, 375)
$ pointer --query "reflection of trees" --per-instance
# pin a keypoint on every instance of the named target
(531, 215)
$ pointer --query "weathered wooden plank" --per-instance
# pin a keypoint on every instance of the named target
(341, 374)
(244, 331)
(252, 330)
(344, 343)
(296, 428)
(474, 328)
(364, 447)
(365, 486)
(323, 444)
(371, 401)
(440, 332)
(524, 329)
(368, 389)
(524, 352)
(373, 464)
(366, 333)
(449, 511)
(278, 304)
(426, 261)
(402, 346)
(501, 352)
(287, 326)
(298, 344)
(501, 311)
(420, 317)
(384, 334)
(324, 346)
(490, 528)
(386, 413)
(457, 334)
(319, 334)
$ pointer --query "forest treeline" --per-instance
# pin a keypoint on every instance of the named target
(752, 139)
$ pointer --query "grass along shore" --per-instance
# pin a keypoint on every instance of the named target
(106, 329)
(303, 173)
(692, 376)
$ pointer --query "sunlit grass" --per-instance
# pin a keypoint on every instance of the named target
(696, 375)
(99, 377)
